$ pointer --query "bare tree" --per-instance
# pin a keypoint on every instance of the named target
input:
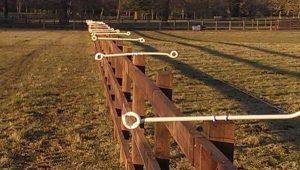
(165, 8)
(6, 9)
(63, 12)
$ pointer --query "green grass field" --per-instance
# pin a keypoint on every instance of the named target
(53, 114)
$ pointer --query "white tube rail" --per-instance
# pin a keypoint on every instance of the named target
(106, 31)
(139, 120)
(172, 54)
(103, 30)
(111, 33)
(95, 38)
(90, 22)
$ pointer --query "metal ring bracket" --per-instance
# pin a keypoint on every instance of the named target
(133, 125)
(100, 56)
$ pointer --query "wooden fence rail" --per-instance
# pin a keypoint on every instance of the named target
(126, 87)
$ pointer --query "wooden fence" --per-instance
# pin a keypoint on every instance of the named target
(126, 88)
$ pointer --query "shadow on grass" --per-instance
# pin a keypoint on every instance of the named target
(262, 50)
(219, 54)
(234, 44)
(250, 103)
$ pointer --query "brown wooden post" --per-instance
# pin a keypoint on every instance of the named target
(118, 74)
(221, 134)
(125, 83)
(216, 25)
(188, 25)
(112, 91)
(137, 107)
(257, 25)
(266, 23)
(271, 25)
(174, 24)
(162, 135)
(160, 25)
(244, 24)
(229, 27)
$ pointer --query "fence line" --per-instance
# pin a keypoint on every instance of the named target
(126, 87)
(77, 23)
(284, 24)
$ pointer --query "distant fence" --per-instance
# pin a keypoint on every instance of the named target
(286, 24)
(126, 87)
(52, 21)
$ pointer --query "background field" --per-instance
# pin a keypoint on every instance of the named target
(52, 112)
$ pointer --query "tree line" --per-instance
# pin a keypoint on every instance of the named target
(154, 9)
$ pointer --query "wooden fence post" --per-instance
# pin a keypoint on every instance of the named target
(277, 25)
(244, 24)
(174, 25)
(271, 25)
(159, 25)
(229, 27)
(216, 25)
(125, 84)
(118, 74)
(112, 92)
(266, 23)
(188, 25)
(221, 134)
(257, 25)
(162, 135)
(137, 107)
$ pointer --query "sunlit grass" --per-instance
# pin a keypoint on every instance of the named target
(265, 65)
(52, 110)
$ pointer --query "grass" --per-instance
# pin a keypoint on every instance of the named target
(237, 73)
(53, 114)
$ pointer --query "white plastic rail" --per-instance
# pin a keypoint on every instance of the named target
(91, 30)
(95, 38)
(138, 120)
(105, 31)
(90, 22)
(172, 54)
(111, 33)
